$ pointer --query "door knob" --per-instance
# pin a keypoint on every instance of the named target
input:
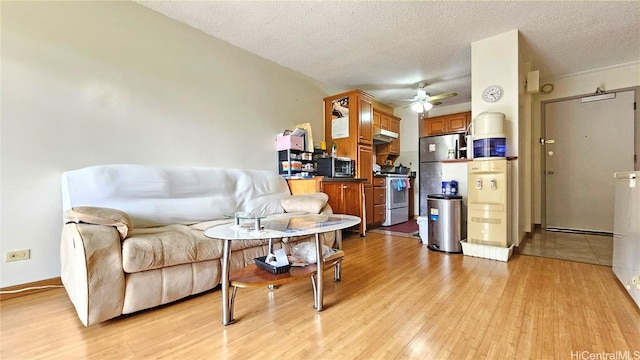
(550, 172)
(550, 153)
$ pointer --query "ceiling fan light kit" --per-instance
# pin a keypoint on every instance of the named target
(421, 107)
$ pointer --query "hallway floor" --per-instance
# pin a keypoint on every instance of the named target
(587, 248)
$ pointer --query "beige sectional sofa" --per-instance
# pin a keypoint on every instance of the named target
(133, 238)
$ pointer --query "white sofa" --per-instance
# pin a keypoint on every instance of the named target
(133, 238)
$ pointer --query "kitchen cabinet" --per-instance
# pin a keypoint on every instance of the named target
(388, 151)
(394, 145)
(365, 154)
(381, 120)
(354, 140)
(379, 200)
(345, 197)
(365, 164)
(352, 114)
(376, 201)
(446, 124)
(368, 203)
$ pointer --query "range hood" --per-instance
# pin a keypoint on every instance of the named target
(381, 136)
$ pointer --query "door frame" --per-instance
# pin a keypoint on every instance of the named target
(543, 158)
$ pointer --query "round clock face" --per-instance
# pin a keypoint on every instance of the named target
(492, 94)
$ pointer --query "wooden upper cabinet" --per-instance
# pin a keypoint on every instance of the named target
(357, 108)
(365, 121)
(385, 121)
(376, 120)
(381, 120)
(391, 123)
(446, 124)
(394, 125)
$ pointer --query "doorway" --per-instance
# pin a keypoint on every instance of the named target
(585, 142)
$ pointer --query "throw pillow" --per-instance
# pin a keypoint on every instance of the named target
(312, 203)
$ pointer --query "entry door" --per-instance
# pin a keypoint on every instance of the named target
(585, 144)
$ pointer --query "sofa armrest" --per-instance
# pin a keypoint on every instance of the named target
(100, 216)
(91, 270)
(327, 210)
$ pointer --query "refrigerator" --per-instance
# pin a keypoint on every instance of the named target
(433, 149)
(626, 232)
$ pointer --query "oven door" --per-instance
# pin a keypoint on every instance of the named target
(397, 193)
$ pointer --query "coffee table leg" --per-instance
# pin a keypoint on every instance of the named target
(337, 271)
(227, 314)
(320, 268)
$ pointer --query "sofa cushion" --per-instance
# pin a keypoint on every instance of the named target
(153, 248)
(312, 203)
(100, 216)
(158, 247)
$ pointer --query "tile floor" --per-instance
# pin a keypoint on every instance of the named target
(588, 248)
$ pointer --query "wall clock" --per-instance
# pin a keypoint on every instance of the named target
(492, 93)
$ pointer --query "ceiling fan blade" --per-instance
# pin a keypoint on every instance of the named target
(435, 103)
(442, 96)
(406, 106)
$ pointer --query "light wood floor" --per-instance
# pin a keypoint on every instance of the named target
(397, 300)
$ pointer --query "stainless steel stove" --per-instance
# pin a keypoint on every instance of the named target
(396, 198)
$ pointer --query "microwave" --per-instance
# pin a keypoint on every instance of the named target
(335, 167)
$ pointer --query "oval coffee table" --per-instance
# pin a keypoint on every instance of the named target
(280, 227)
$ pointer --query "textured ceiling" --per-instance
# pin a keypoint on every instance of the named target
(386, 47)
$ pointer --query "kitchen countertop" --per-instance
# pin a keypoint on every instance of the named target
(343, 179)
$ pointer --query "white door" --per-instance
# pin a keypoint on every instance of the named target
(585, 144)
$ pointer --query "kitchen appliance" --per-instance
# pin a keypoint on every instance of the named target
(383, 136)
(434, 149)
(626, 232)
(489, 203)
(334, 167)
(397, 199)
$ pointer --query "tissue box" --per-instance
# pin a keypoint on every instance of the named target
(286, 142)
(271, 268)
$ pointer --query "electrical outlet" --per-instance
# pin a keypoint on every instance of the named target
(18, 255)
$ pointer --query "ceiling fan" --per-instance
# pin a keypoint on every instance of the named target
(423, 101)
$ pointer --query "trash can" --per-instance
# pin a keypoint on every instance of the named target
(423, 227)
(445, 229)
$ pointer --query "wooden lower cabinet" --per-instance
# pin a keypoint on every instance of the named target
(376, 209)
(345, 197)
(368, 203)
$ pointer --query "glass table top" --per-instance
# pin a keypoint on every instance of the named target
(285, 226)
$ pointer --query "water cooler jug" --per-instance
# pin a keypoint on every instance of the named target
(489, 139)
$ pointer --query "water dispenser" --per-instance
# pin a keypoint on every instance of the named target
(489, 211)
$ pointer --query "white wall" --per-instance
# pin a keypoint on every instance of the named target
(497, 61)
(611, 78)
(86, 83)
